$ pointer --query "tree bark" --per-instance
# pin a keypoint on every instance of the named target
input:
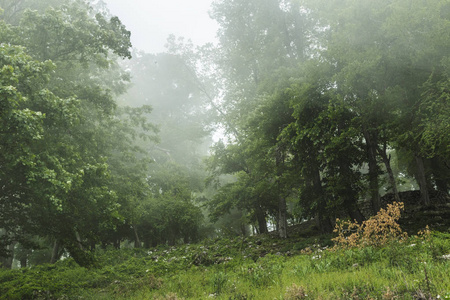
(55, 252)
(371, 149)
(387, 164)
(282, 207)
(261, 218)
(7, 261)
(23, 261)
(282, 217)
(441, 174)
(422, 180)
(244, 230)
(137, 241)
(324, 223)
(79, 243)
(355, 214)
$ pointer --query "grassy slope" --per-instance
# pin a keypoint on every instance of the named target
(260, 267)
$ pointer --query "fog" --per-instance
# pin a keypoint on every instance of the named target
(151, 22)
(128, 125)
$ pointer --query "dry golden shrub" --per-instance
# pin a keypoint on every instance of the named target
(170, 296)
(295, 292)
(425, 234)
(376, 231)
(389, 295)
(155, 283)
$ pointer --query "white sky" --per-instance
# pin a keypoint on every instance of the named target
(152, 21)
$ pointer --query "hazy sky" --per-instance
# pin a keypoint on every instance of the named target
(151, 21)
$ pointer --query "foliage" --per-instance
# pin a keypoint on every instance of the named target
(314, 97)
(62, 130)
(317, 119)
(396, 269)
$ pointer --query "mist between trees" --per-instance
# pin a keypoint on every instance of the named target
(322, 104)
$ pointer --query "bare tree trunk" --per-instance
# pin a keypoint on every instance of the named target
(387, 164)
(137, 241)
(282, 208)
(441, 174)
(355, 214)
(422, 180)
(23, 261)
(80, 244)
(7, 261)
(324, 223)
(261, 218)
(244, 230)
(55, 252)
(371, 148)
(282, 217)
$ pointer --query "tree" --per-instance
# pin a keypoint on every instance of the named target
(62, 187)
(260, 44)
(382, 57)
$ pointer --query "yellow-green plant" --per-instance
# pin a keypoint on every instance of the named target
(376, 231)
(295, 292)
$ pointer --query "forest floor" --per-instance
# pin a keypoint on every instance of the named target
(257, 267)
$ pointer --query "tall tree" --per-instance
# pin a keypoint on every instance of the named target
(382, 57)
(69, 195)
(260, 42)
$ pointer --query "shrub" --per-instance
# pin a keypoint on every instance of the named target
(377, 231)
(295, 292)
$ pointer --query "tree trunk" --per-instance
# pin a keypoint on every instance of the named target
(282, 208)
(55, 252)
(261, 218)
(244, 230)
(387, 164)
(7, 261)
(371, 148)
(282, 217)
(422, 180)
(79, 243)
(23, 261)
(137, 241)
(441, 174)
(355, 214)
(324, 223)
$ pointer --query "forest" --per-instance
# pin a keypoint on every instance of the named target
(303, 111)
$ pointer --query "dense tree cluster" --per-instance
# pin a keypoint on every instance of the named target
(76, 171)
(321, 97)
(321, 104)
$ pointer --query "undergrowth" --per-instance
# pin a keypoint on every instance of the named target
(373, 260)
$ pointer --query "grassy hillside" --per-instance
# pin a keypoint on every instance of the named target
(259, 267)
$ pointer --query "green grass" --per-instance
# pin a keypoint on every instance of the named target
(260, 267)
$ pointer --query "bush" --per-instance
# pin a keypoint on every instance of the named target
(377, 231)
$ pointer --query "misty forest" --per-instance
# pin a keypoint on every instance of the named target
(304, 154)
